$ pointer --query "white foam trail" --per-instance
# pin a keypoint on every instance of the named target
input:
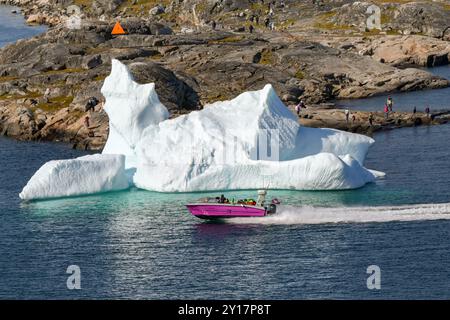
(319, 215)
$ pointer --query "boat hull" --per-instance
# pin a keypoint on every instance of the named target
(223, 211)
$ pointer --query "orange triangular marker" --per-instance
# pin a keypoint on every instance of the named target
(117, 29)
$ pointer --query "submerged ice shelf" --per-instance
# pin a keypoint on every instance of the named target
(244, 143)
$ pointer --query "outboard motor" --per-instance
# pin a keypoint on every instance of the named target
(272, 209)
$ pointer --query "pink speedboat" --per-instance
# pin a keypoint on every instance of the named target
(221, 208)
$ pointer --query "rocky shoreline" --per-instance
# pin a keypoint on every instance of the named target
(336, 119)
(46, 81)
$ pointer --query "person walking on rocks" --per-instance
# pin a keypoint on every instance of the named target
(299, 107)
(371, 119)
(272, 26)
(347, 115)
(390, 103)
(46, 95)
(86, 122)
(386, 111)
(90, 105)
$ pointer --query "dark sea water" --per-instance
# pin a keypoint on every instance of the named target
(139, 244)
(13, 26)
(145, 245)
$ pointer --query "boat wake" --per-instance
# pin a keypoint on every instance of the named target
(321, 215)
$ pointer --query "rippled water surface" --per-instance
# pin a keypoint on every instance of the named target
(139, 244)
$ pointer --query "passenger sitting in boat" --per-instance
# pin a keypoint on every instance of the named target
(222, 199)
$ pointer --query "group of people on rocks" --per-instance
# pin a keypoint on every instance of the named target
(90, 105)
(388, 108)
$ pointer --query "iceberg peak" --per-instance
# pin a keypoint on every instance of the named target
(131, 107)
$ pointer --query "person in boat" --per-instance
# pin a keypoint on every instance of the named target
(222, 199)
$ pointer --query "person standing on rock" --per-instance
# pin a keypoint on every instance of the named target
(91, 103)
(267, 22)
(299, 107)
(347, 115)
(272, 26)
(390, 104)
(371, 119)
(251, 28)
(86, 122)
(386, 111)
(427, 111)
(414, 110)
(46, 95)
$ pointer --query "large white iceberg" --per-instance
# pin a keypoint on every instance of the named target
(220, 147)
(250, 142)
(80, 176)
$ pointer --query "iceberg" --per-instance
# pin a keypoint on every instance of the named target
(80, 176)
(250, 142)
